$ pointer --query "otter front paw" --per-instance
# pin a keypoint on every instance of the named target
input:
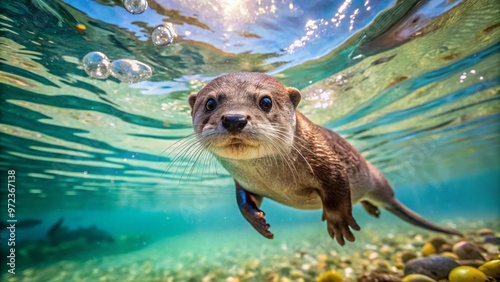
(338, 226)
(257, 219)
(249, 208)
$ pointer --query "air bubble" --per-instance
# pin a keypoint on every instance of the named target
(163, 34)
(130, 71)
(135, 6)
(96, 65)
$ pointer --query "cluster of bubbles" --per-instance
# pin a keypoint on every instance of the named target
(163, 34)
(97, 65)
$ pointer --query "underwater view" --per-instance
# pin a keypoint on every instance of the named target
(105, 178)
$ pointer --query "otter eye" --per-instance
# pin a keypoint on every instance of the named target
(266, 104)
(211, 105)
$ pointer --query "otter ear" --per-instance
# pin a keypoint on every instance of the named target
(192, 99)
(295, 95)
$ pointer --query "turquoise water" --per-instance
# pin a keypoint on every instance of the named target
(414, 86)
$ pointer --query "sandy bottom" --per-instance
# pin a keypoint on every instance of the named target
(298, 253)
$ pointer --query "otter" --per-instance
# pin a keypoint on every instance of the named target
(250, 123)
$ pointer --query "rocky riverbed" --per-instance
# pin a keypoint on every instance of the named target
(382, 252)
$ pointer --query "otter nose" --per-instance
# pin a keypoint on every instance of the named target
(234, 123)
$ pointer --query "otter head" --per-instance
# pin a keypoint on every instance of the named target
(245, 116)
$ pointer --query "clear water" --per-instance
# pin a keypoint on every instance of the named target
(414, 86)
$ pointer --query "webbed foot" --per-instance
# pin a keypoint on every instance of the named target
(247, 202)
(257, 219)
(371, 208)
(338, 226)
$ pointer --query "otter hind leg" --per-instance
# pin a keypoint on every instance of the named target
(371, 208)
(248, 204)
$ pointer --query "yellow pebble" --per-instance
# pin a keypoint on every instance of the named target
(467, 274)
(417, 278)
(330, 276)
(428, 249)
(449, 255)
(80, 28)
(491, 268)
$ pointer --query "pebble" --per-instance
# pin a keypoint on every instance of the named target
(495, 240)
(485, 232)
(330, 276)
(135, 6)
(449, 255)
(467, 250)
(417, 278)
(407, 255)
(130, 71)
(386, 249)
(436, 267)
(437, 242)
(380, 266)
(399, 265)
(371, 277)
(428, 249)
(491, 268)
(445, 248)
(96, 65)
(313, 265)
(467, 274)
(471, 262)
(296, 273)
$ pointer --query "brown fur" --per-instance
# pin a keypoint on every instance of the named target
(282, 155)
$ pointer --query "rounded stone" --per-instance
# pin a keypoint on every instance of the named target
(437, 241)
(485, 232)
(408, 255)
(467, 250)
(380, 266)
(467, 274)
(449, 255)
(417, 278)
(330, 276)
(428, 249)
(491, 268)
(436, 267)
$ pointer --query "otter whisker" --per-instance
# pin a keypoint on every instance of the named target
(293, 147)
(198, 151)
(281, 136)
(270, 146)
(184, 145)
(272, 157)
(185, 153)
(281, 151)
(283, 130)
(209, 162)
(180, 141)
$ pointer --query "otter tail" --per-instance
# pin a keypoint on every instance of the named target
(401, 211)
